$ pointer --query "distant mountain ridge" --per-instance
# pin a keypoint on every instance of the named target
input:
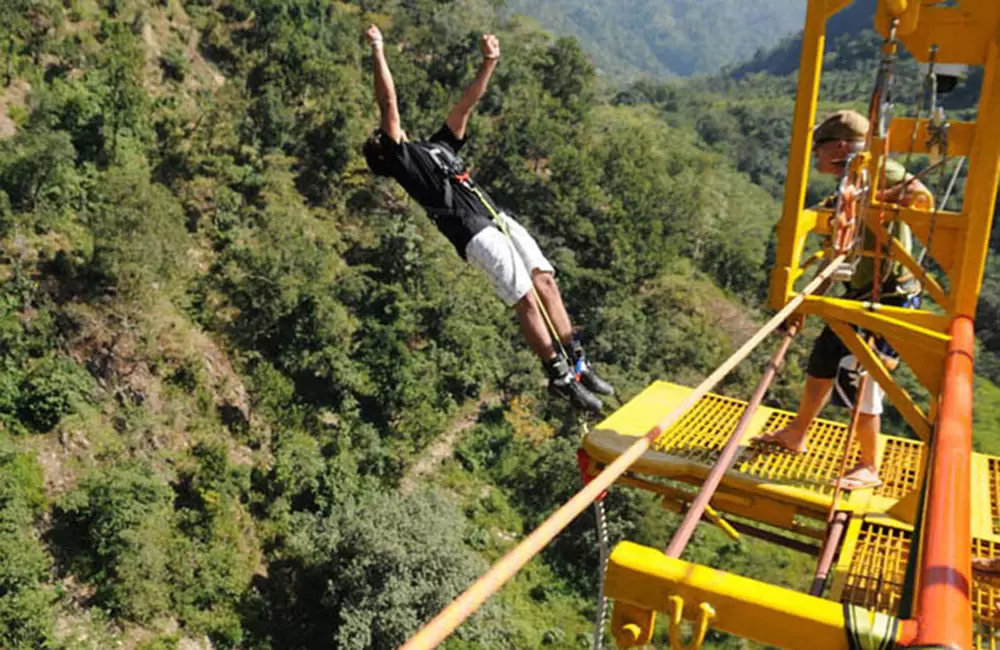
(665, 38)
(854, 20)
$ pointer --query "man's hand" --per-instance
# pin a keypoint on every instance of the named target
(490, 46)
(385, 90)
(374, 37)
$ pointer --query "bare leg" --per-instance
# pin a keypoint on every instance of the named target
(868, 426)
(865, 473)
(548, 291)
(533, 327)
(814, 397)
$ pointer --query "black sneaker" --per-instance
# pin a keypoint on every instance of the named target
(590, 379)
(563, 384)
(567, 387)
(585, 373)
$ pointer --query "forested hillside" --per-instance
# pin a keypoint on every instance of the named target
(664, 38)
(229, 355)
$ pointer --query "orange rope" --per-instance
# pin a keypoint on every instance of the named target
(438, 629)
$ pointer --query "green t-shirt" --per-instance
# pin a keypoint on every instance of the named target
(895, 174)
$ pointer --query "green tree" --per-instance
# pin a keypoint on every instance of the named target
(26, 617)
(116, 529)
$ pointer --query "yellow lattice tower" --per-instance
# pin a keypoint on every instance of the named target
(966, 33)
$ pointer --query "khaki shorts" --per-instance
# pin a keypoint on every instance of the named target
(507, 262)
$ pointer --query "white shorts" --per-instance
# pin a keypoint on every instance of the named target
(507, 264)
(846, 383)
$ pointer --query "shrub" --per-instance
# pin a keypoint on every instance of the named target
(117, 529)
(25, 614)
(54, 388)
(174, 64)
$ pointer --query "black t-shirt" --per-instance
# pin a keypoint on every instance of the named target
(458, 213)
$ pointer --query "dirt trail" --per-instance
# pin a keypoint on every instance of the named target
(442, 448)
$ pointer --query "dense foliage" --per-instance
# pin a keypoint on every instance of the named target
(224, 346)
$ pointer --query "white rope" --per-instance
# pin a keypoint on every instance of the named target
(602, 601)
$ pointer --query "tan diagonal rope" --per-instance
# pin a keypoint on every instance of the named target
(438, 629)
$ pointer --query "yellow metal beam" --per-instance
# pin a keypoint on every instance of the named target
(834, 6)
(949, 229)
(873, 364)
(983, 485)
(956, 31)
(843, 566)
(922, 324)
(791, 232)
(645, 579)
(748, 503)
(983, 12)
(961, 135)
(981, 188)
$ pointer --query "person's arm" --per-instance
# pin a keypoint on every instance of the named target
(458, 118)
(385, 90)
(906, 189)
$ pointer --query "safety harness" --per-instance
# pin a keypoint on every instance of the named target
(451, 168)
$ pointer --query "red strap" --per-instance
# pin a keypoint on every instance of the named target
(583, 460)
(461, 178)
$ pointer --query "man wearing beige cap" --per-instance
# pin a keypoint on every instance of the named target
(831, 367)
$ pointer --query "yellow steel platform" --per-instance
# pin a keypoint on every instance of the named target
(766, 484)
(781, 489)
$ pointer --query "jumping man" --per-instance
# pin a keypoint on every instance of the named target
(432, 173)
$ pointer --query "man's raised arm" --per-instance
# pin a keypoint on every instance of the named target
(385, 90)
(458, 118)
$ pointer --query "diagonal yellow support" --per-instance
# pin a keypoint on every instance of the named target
(922, 348)
(873, 364)
(949, 232)
(929, 282)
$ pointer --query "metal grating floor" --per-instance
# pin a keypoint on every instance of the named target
(815, 468)
(986, 600)
(703, 431)
(900, 467)
(878, 568)
(701, 434)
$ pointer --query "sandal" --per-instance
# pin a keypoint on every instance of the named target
(861, 477)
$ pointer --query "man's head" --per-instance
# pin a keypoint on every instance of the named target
(840, 135)
(375, 154)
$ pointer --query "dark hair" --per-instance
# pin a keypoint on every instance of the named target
(375, 156)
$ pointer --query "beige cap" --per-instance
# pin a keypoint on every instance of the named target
(842, 125)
